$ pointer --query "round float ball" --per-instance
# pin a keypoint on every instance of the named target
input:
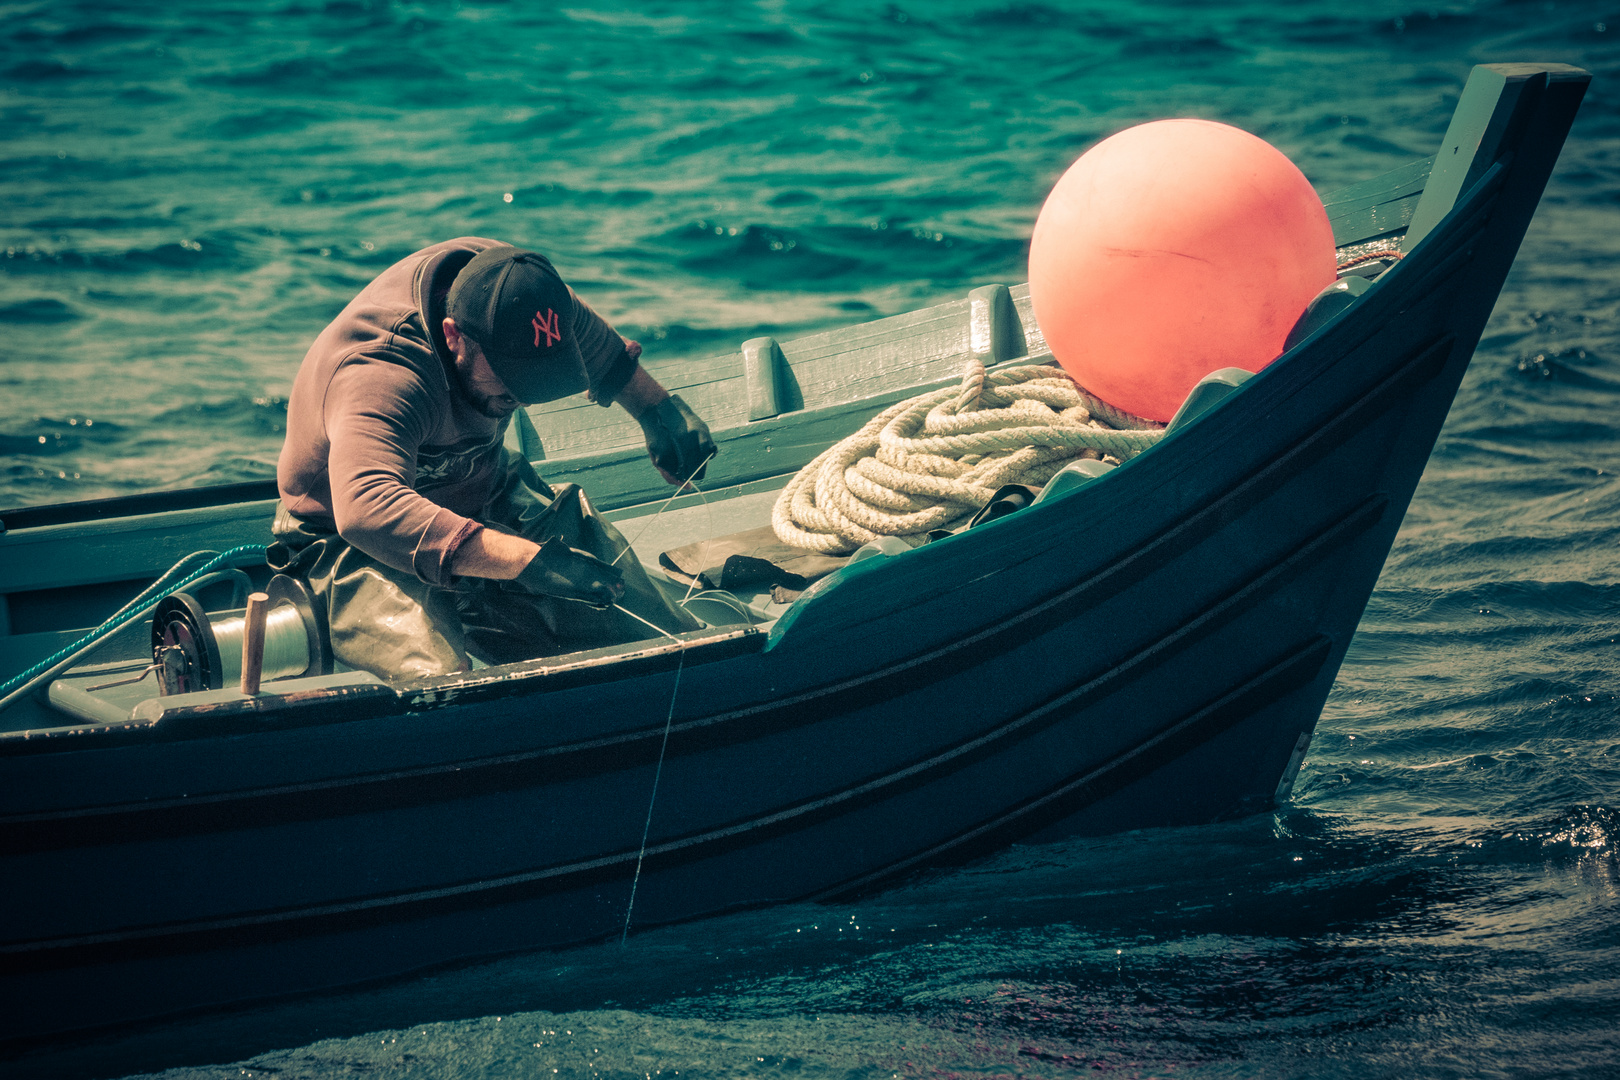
(1170, 250)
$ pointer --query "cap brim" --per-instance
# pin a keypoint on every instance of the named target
(534, 380)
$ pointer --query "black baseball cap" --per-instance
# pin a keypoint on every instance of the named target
(513, 303)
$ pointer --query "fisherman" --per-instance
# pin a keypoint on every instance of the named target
(423, 537)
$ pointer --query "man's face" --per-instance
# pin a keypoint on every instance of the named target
(484, 389)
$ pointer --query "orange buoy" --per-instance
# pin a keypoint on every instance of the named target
(1170, 250)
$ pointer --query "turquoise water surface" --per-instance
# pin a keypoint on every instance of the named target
(192, 190)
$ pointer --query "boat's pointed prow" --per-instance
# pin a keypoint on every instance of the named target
(1501, 106)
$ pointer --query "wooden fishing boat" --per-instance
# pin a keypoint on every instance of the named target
(1146, 645)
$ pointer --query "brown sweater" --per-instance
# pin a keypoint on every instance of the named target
(382, 444)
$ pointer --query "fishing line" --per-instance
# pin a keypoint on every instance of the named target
(708, 538)
(648, 622)
(672, 498)
(658, 772)
(680, 665)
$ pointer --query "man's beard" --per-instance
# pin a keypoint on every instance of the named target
(496, 407)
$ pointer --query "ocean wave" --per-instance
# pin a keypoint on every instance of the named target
(38, 310)
(1319, 29)
(1577, 834)
(773, 257)
(356, 69)
(1583, 551)
(29, 484)
(207, 253)
(146, 95)
(262, 122)
(1020, 16)
(249, 416)
(1416, 608)
(1543, 431)
(787, 255)
(544, 120)
(116, 33)
(557, 194)
(51, 437)
(33, 71)
(1431, 25)
(232, 470)
(1177, 48)
(1565, 366)
(100, 223)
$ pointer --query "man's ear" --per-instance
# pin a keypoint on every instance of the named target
(452, 335)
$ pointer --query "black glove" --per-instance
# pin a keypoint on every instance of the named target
(677, 441)
(567, 572)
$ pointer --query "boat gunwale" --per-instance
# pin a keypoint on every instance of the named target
(171, 719)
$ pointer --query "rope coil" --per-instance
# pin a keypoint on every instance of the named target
(934, 460)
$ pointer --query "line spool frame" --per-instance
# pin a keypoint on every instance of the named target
(186, 650)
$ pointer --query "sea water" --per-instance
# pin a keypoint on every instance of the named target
(192, 190)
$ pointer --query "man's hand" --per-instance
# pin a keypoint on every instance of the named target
(572, 574)
(677, 440)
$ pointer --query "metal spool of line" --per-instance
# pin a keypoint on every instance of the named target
(194, 650)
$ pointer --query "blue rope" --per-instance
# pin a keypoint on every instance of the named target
(134, 609)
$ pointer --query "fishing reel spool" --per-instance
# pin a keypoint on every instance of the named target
(193, 650)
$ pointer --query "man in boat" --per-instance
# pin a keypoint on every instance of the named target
(425, 539)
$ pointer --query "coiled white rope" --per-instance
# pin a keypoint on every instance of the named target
(934, 460)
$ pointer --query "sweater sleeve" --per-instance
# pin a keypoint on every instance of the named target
(610, 360)
(377, 414)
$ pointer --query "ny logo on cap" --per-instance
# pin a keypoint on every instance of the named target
(546, 324)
